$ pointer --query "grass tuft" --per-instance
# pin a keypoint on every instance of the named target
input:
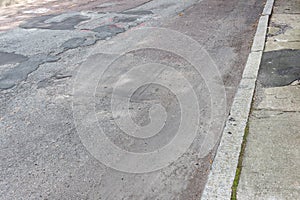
(240, 164)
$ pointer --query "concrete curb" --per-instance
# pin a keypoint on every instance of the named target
(222, 174)
(260, 36)
(268, 7)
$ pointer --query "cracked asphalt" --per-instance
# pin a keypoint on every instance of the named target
(42, 46)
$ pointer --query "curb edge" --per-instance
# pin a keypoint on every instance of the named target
(225, 163)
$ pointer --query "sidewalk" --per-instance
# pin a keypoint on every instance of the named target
(270, 167)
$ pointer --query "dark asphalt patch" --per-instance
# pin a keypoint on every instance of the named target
(138, 12)
(125, 19)
(279, 68)
(19, 73)
(102, 32)
(67, 24)
(107, 31)
(73, 43)
(11, 58)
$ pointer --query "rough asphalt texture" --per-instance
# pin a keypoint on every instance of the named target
(270, 168)
(41, 154)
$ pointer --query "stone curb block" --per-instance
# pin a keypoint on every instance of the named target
(252, 65)
(268, 7)
(260, 36)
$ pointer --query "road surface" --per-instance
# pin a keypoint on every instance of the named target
(51, 52)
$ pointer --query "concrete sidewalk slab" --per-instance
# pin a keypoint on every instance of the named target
(281, 98)
(284, 32)
(272, 158)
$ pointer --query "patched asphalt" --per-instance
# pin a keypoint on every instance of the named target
(279, 68)
(11, 58)
(19, 73)
(66, 24)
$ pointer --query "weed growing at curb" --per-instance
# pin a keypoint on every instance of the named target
(240, 163)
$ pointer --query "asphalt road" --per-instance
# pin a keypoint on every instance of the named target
(62, 61)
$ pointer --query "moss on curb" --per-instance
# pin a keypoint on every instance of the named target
(240, 163)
